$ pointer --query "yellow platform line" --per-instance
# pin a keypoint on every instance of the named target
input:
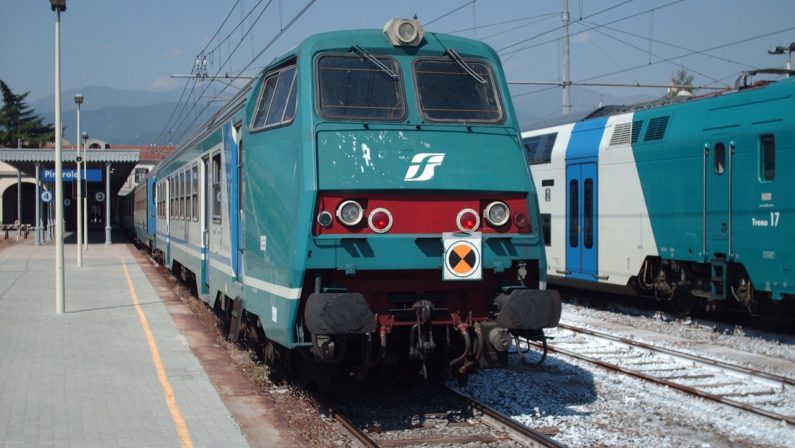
(176, 415)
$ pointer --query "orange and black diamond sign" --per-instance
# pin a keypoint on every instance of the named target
(462, 258)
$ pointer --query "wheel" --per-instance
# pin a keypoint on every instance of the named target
(684, 303)
(768, 315)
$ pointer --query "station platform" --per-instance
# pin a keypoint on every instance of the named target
(126, 364)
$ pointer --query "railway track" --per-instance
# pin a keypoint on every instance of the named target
(751, 390)
(443, 417)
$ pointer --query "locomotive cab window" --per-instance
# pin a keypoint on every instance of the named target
(767, 157)
(353, 87)
(276, 104)
(539, 148)
(454, 89)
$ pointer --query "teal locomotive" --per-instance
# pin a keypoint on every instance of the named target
(364, 202)
(687, 199)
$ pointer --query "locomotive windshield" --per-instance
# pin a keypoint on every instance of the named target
(453, 90)
(355, 88)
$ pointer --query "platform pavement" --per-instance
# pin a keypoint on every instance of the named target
(87, 378)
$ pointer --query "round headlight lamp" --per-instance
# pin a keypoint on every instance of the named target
(468, 220)
(350, 213)
(497, 213)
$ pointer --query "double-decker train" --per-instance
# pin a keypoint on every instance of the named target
(364, 202)
(686, 199)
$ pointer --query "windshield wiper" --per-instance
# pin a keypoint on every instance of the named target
(460, 61)
(373, 60)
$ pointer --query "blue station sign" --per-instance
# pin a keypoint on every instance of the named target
(91, 175)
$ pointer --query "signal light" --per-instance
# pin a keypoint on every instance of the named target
(468, 220)
(522, 221)
(380, 220)
(350, 213)
(324, 218)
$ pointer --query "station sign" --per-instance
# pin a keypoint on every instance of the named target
(100, 196)
(46, 196)
(90, 175)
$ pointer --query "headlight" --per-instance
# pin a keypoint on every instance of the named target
(497, 213)
(349, 213)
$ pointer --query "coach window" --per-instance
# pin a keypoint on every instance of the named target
(539, 148)
(546, 228)
(182, 192)
(188, 195)
(360, 87)
(719, 163)
(454, 89)
(276, 104)
(574, 209)
(767, 157)
(173, 197)
(216, 190)
(195, 192)
(588, 206)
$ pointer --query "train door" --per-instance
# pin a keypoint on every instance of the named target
(234, 166)
(717, 194)
(204, 219)
(581, 225)
(151, 216)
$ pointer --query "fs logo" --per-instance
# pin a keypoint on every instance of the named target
(422, 166)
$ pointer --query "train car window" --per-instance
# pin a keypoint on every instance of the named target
(195, 192)
(767, 157)
(539, 148)
(188, 195)
(719, 162)
(574, 218)
(276, 104)
(447, 92)
(588, 206)
(351, 87)
(546, 228)
(182, 195)
(216, 188)
(172, 197)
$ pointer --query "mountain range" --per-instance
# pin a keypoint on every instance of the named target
(129, 117)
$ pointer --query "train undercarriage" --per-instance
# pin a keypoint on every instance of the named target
(691, 286)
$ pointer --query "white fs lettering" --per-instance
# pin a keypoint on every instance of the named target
(422, 166)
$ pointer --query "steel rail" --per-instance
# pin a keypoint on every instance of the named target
(674, 385)
(517, 430)
(680, 354)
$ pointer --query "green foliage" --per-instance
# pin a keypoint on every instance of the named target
(19, 122)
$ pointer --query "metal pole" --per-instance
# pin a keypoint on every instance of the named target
(79, 244)
(37, 228)
(566, 76)
(59, 270)
(85, 198)
(107, 203)
(19, 199)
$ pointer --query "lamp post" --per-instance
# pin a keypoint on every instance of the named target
(58, 6)
(78, 102)
(780, 49)
(85, 198)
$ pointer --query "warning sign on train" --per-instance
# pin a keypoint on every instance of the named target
(462, 257)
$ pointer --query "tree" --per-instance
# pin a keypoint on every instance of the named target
(681, 83)
(19, 122)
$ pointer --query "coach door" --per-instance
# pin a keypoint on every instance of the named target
(718, 157)
(204, 219)
(581, 213)
(151, 206)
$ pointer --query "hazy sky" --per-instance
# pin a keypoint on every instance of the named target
(137, 44)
